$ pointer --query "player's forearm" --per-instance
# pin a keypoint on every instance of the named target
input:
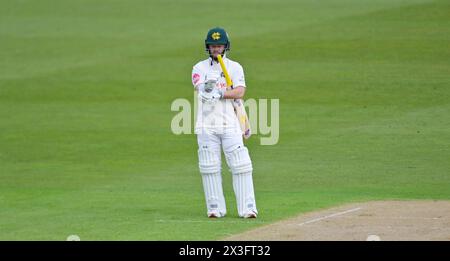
(236, 93)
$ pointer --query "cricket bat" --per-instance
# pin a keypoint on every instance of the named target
(238, 104)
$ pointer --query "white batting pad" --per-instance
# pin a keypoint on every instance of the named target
(241, 166)
(215, 201)
(209, 164)
(245, 196)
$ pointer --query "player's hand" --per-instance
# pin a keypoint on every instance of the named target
(213, 96)
(211, 81)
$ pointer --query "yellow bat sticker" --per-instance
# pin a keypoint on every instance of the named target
(224, 70)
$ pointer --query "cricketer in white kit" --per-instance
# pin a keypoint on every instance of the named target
(217, 127)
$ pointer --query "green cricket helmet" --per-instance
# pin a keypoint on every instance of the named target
(217, 36)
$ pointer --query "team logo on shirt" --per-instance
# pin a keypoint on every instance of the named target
(216, 36)
(195, 78)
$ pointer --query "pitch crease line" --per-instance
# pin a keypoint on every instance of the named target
(329, 216)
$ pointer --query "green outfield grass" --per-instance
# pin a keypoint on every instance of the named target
(86, 88)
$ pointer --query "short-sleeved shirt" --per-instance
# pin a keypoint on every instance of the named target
(221, 114)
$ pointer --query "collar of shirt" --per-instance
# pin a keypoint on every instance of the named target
(224, 57)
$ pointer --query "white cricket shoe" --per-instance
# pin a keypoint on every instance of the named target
(250, 214)
(215, 214)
